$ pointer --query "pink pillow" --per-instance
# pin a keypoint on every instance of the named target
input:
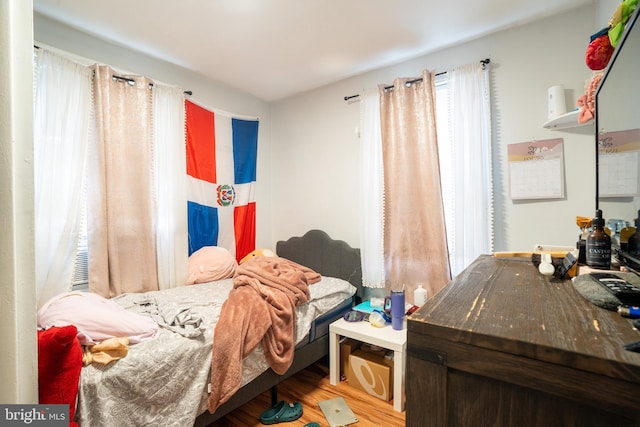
(211, 263)
(96, 318)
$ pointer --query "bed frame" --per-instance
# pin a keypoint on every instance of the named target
(328, 257)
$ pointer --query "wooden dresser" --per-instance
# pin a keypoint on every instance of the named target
(502, 345)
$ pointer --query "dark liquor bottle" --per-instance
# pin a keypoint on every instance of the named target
(598, 251)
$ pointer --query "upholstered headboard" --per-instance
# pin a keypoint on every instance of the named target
(326, 256)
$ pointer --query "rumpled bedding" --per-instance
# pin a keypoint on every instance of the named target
(260, 309)
(172, 316)
(163, 381)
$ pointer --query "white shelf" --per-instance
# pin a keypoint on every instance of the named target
(566, 121)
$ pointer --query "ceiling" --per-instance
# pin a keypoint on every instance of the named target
(276, 48)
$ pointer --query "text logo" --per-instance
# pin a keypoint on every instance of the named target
(34, 415)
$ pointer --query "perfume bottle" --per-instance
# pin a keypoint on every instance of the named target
(598, 250)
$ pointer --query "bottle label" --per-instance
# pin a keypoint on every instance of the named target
(599, 254)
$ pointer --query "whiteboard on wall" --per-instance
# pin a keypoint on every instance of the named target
(536, 169)
(618, 163)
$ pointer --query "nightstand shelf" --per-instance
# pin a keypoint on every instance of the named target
(385, 337)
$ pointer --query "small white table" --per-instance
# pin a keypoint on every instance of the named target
(385, 337)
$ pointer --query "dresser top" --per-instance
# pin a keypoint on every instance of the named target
(505, 304)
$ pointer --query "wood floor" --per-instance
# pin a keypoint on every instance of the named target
(309, 387)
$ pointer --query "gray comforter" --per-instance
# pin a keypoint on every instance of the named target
(164, 381)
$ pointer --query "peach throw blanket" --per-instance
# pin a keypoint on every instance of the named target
(260, 308)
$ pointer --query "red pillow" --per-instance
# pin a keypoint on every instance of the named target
(59, 365)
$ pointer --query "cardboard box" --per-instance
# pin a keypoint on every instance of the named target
(347, 346)
(370, 371)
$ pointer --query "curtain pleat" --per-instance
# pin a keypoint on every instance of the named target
(372, 233)
(122, 247)
(61, 135)
(415, 242)
(170, 185)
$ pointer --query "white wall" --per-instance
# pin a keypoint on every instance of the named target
(18, 352)
(208, 93)
(604, 11)
(316, 151)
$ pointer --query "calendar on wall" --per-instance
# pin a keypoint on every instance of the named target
(536, 169)
(618, 163)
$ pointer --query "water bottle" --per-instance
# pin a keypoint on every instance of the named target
(397, 309)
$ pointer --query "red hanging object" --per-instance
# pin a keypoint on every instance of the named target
(599, 53)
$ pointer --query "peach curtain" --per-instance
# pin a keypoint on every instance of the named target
(415, 242)
(122, 254)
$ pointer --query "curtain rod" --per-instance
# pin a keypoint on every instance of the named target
(132, 82)
(128, 80)
(484, 63)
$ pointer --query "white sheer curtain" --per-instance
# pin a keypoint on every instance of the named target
(61, 135)
(170, 185)
(372, 233)
(470, 213)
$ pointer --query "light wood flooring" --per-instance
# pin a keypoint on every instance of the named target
(310, 386)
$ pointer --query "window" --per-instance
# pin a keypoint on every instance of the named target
(445, 153)
(80, 280)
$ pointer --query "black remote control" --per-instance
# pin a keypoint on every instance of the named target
(626, 293)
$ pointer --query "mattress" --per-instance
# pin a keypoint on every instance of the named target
(164, 381)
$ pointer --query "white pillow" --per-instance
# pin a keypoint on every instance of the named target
(211, 263)
(96, 318)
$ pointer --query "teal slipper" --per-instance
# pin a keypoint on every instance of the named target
(281, 412)
(312, 424)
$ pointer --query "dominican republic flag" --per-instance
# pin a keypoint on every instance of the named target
(221, 174)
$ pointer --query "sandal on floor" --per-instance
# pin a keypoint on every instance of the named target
(312, 424)
(281, 412)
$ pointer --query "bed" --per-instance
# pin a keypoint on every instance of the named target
(163, 381)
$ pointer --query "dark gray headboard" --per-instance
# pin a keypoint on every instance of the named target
(318, 251)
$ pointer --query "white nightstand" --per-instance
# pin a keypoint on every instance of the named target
(385, 337)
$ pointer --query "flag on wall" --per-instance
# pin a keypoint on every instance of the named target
(221, 174)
